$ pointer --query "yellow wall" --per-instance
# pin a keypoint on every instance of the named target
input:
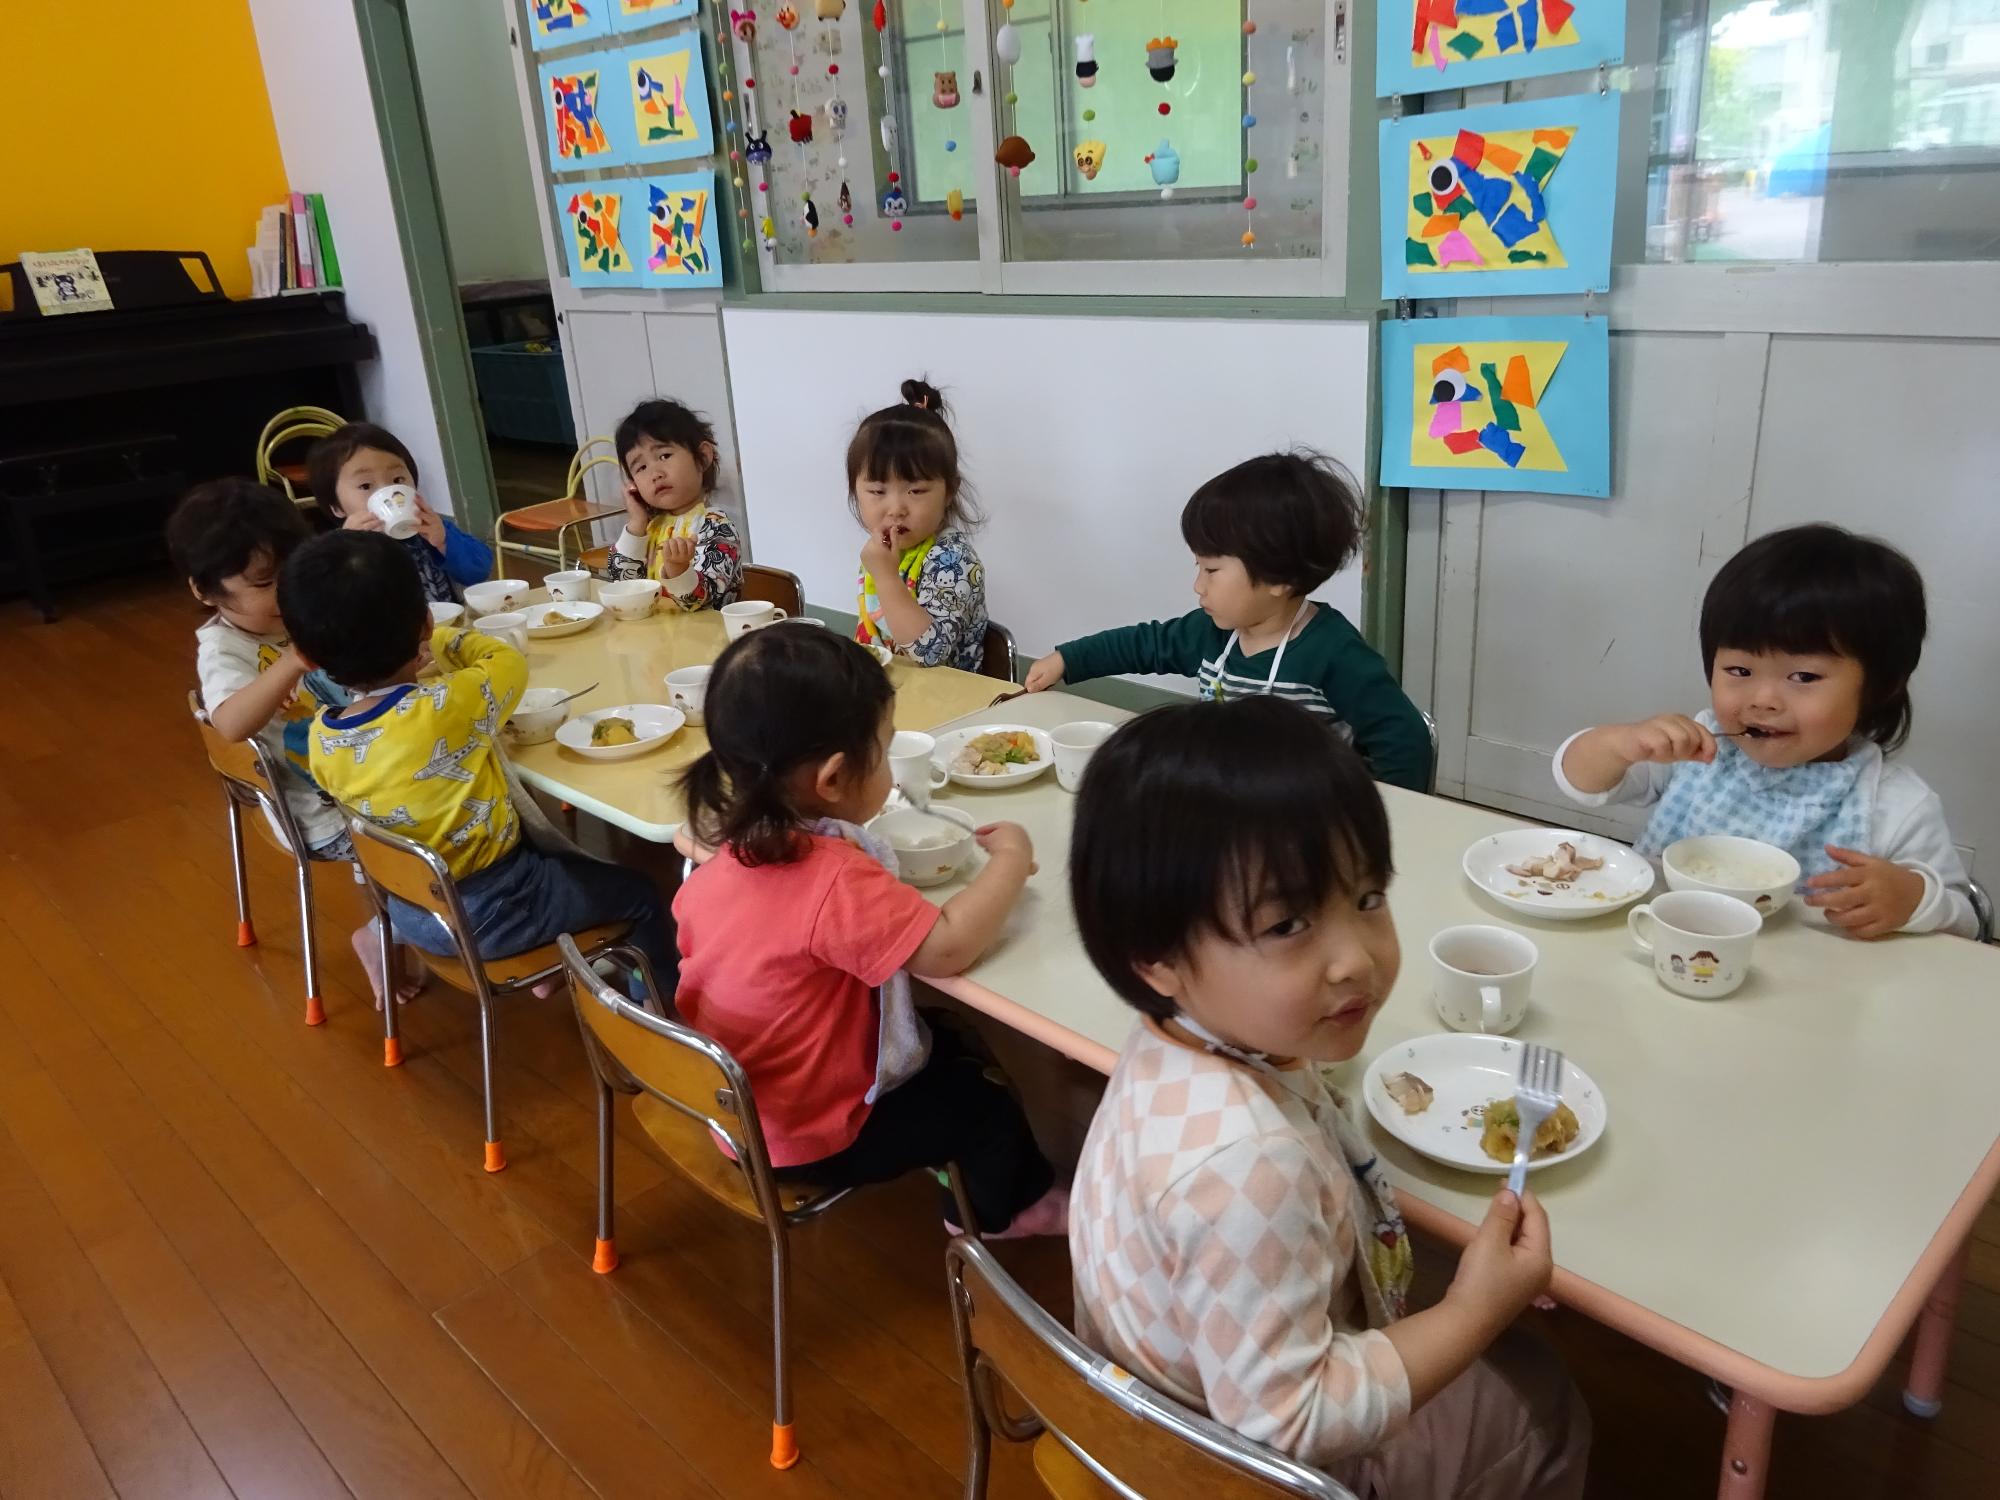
(179, 154)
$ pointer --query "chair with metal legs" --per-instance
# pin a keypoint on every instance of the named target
(252, 778)
(690, 1094)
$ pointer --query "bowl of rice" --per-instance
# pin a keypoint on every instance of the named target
(1760, 875)
(931, 844)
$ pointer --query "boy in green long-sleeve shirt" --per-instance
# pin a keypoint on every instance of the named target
(1264, 535)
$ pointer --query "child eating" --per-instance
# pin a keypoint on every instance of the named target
(922, 587)
(354, 462)
(1233, 1239)
(1809, 637)
(417, 752)
(1264, 535)
(797, 939)
(671, 531)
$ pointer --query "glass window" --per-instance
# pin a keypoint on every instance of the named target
(1826, 130)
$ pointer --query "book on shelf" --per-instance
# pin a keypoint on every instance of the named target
(294, 250)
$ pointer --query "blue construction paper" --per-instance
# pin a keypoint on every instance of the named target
(711, 233)
(612, 108)
(1488, 194)
(1578, 200)
(1531, 23)
(595, 22)
(1472, 8)
(1494, 440)
(631, 228)
(1600, 38)
(640, 20)
(1506, 36)
(1513, 226)
(1576, 404)
(702, 142)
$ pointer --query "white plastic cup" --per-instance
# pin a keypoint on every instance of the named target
(1074, 744)
(395, 506)
(686, 688)
(914, 767)
(1481, 977)
(1700, 941)
(569, 587)
(510, 626)
(746, 615)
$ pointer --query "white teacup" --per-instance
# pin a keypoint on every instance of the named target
(510, 626)
(746, 615)
(1700, 940)
(1074, 744)
(1481, 977)
(443, 612)
(395, 506)
(571, 586)
(686, 688)
(914, 768)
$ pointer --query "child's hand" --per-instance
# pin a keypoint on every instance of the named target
(1507, 1265)
(1665, 740)
(430, 525)
(999, 839)
(1867, 897)
(879, 557)
(360, 518)
(638, 519)
(676, 556)
(1046, 673)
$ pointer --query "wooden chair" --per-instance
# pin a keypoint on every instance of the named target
(569, 513)
(691, 1093)
(401, 867)
(997, 661)
(774, 586)
(1099, 1434)
(294, 424)
(251, 778)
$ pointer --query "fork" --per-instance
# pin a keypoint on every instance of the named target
(1536, 1099)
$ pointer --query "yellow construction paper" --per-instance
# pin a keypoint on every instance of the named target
(1428, 360)
(1517, 145)
(1482, 27)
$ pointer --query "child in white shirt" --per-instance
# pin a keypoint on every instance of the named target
(1809, 637)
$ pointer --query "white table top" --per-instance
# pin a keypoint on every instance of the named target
(1777, 1165)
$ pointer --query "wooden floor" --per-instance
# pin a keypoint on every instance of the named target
(239, 1257)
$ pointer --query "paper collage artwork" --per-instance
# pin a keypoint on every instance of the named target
(1507, 199)
(556, 23)
(632, 15)
(573, 94)
(681, 234)
(1423, 45)
(667, 100)
(597, 219)
(1497, 404)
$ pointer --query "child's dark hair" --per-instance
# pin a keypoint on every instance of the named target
(330, 455)
(778, 699)
(669, 422)
(1292, 519)
(354, 605)
(912, 441)
(1822, 590)
(1192, 817)
(223, 526)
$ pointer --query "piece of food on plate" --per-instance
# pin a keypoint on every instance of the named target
(995, 754)
(1408, 1090)
(615, 730)
(1503, 1131)
(1562, 866)
(555, 617)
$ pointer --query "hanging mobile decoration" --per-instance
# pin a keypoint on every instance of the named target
(1007, 41)
(745, 23)
(1014, 153)
(1166, 165)
(944, 89)
(811, 216)
(1160, 57)
(954, 204)
(829, 10)
(845, 203)
(1249, 124)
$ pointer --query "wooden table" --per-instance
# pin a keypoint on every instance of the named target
(1788, 1177)
(629, 660)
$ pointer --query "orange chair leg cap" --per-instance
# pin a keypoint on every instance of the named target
(315, 1011)
(606, 1257)
(496, 1159)
(784, 1447)
(246, 935)
(392, 1052)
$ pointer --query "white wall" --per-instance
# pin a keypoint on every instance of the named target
(466, 71)
(320, 102)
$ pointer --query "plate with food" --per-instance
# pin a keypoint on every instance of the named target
(1557, 874)
(547, 622)
(1451, 1097)
(995, 755)
(622, 732)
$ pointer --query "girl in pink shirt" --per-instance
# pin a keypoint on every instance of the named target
(797, 939)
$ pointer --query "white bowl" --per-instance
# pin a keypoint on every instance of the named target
(1759, 875)
(537, 716)
(654, 723)
(944, 832)
(575, 617)
(496, 596)
(630, 598)
(446, 613)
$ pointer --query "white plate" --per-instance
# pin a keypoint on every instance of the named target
(577, 616)
(948, 746)
(1466, 1071)
(654, 723)
(1624, 878)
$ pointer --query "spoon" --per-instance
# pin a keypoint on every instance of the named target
(575, 695)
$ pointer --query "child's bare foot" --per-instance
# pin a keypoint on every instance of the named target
(1048, 1214)
(368, 948)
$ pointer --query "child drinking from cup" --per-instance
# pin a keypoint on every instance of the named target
(922, 587)
(797, 939)
(1264, 535)
(355, 461)
(1809, 638)
(672, 533)
(1233, 1239)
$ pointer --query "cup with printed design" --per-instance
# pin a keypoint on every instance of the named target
(395, 506)
(914, 768)
(571, 586)
(746, 615)
(1074, 744)
(1481, 977)
(686, 688)
(510, 626)
(1700, 941)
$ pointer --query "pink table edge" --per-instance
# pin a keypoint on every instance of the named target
(1803, 1395)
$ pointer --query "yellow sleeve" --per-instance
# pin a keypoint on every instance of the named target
(490, 661)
